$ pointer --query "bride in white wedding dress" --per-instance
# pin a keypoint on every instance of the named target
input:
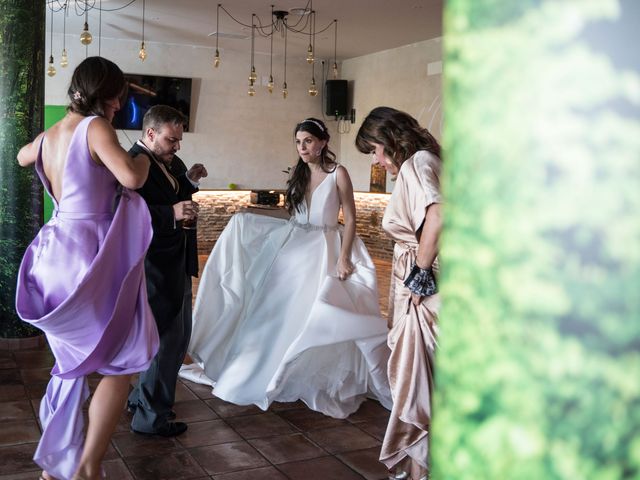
(288, 310)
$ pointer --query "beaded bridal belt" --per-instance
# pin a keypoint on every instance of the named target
(311, 227)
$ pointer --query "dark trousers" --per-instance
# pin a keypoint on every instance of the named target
(154, 396)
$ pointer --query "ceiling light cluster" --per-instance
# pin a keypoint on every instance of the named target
(82, 8)
(305, 25)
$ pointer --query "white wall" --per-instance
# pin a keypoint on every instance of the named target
(241, 139)
(408, 78)
(249, 141)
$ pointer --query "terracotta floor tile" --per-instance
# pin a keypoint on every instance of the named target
(262, 425)
(226, 409)
(287, 448)
(324, 468)
(22, 476)
(35, 375)
(124, 423)
(375, 427)
(265, 473)
(165, 467)
(16, 410)
(36, 390)
(12, 392)
(193, 411)
(183, 393)
(7, 361)
(34, 358)
(282, 406)
(201, 391)
(309, 420)
(18, 459)
(366, 463)
(212, 432)
(130, 444)
(17, 432)
(116, 469)
(228, 457)
(342, 439)
(10, 377)
(111, 453)
(368, 410)
(212, 448)
(35, 403)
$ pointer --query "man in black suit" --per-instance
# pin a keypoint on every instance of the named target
(171, 261)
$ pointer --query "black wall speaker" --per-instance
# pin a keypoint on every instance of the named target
(335, 98)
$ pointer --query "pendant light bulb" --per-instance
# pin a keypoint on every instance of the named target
(310, 54)
(252, 91)
(51, 71)
(284, 90)
(313, 90)
(85, 36)
(142, 54)
(335, 70)
(64, 59)
(216, 59)
(253, 76)
(270, 85)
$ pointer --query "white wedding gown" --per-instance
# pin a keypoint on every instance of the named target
(272, 322)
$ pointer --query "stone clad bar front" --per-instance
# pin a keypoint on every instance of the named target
(217, 207)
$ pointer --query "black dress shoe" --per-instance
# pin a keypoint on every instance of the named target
(132, 410)
(170, 429)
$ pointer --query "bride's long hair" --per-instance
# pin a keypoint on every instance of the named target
(301, 174)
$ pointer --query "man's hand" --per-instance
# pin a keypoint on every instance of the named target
(187, 209)
(196, 172)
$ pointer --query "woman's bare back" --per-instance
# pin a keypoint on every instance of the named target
(55, 147)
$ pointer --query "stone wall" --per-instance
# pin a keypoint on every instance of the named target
(217, 207)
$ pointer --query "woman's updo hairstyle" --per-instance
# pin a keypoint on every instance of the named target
(95, 81)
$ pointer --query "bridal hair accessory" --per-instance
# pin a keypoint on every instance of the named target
(318, 124)
(77, 95)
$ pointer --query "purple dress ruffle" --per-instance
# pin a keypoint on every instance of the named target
(82, 283)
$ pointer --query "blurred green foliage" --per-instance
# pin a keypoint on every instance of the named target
(538, 368)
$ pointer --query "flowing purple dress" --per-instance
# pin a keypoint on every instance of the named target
(82, 283)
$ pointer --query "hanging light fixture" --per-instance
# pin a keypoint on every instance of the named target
(142, 54)
(280, 22)
(285, 92)
(51, 70)
(64, 59)
(252, 71)
(216, 58)
(311, 48)
(99, 27)
(335, 48)
(271, 84)
(85, 37)
(313, 90)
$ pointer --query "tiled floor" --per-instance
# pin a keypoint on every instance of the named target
(223, 442)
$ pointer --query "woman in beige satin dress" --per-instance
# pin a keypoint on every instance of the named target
(412, 219)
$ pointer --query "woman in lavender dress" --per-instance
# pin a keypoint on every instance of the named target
(82, 278)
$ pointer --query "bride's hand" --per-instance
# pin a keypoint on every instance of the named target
(344, 268)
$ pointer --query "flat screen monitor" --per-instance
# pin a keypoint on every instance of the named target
(146, 91)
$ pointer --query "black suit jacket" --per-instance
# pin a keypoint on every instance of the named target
(170, 255)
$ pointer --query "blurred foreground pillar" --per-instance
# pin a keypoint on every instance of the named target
(21, 119)
(538, 365)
